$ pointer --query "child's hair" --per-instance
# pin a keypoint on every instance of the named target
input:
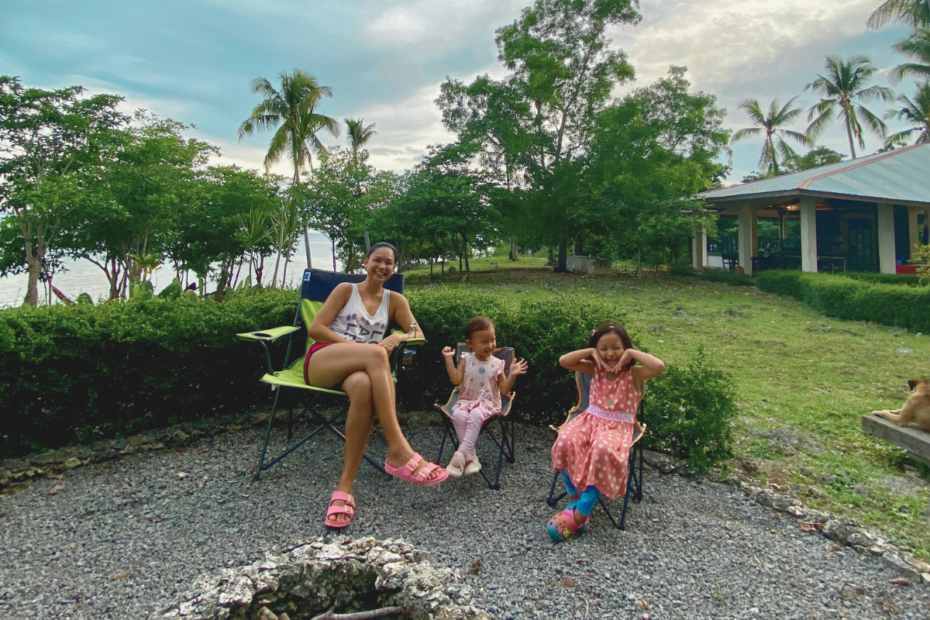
(383, 244)
(477, 324)
(612, 327)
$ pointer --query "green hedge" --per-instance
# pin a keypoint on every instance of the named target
(84, 372)
(87, 372)
(726, 277)
(852, 299)
(885, 278)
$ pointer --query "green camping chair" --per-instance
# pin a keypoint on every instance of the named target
(505, 445)
(315, 288)
(634, 486)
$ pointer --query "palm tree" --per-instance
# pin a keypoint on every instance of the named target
(841, 91)
(772, 124)
(294, 108)
(359, 134)
(916, 112)
(913, 13)
(917, 46)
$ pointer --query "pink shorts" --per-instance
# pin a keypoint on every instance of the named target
(313, 349)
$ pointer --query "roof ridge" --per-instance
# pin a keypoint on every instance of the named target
(855, 164)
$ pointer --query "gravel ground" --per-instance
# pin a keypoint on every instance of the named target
(123, 539)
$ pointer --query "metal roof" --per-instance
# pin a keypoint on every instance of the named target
(900, 176)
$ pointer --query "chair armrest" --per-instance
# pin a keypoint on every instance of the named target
(268, 335)
(404, 352)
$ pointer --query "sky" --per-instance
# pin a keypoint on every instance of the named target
(192, 60)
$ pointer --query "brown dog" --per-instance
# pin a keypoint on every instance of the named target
(916, 409)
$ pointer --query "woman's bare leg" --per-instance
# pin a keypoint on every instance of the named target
(358, 428)
(331, 366)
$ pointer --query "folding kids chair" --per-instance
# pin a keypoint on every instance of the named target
(505, 444)
(634, 485)
(315, 288)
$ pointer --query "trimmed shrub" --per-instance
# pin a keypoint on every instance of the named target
(852, 299)
(86, 372)
(885, 278)
(689, 411)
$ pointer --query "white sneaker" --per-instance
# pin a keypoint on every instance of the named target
(455, 465)
(472, 466)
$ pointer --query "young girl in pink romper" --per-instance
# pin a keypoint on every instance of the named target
(481, 380)
(592, 450)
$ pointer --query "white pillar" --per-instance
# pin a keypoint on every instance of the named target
(808, 234)
(913, 230)
(704, 245)
(748, 242)
(700, 245)
(886, 259)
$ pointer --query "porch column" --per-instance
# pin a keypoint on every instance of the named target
(913, 230)
(886, 258)
(748, 241)
(808, 234)
(700, 247)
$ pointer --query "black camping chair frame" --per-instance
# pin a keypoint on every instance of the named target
(316, 286)
(634, 487)
(504, 420)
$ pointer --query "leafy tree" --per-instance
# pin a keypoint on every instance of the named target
(562, 75)
(816, 157)
(359, 133)
(915, 113)
(843, 88)
(651, 153)
(772, 125)
(293, 107)
(914, 13)
(51, 145)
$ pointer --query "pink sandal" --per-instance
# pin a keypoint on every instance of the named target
(420, 478)
(348, 509)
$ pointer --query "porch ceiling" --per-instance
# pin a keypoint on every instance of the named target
(899, 177)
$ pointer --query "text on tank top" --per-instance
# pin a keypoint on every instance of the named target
(354, 323)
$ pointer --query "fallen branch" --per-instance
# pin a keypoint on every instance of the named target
(360, 615)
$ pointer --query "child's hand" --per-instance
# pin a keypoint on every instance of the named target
(624, 359)
(600, 363)
(448, 352)
(518, 368)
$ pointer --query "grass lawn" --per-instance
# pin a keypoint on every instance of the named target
(803, 375)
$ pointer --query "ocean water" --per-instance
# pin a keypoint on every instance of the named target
(81, 276)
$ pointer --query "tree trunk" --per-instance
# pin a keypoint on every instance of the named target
(32, 287)
(467, 252)
(562, 265)
(284, 276)
(462, 253)
(274, 278)
(513, 248)
(852, 149)
(307, 247)
(333, 242)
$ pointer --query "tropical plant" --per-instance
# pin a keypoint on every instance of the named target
(294, 108)
(814, 158)
(359, 133)
(915, 113)
(914, 13)
(917, 47)
(772, 124)
(843, 88)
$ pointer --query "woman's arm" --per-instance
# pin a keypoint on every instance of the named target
(455, 374)
(402, 315)
(576, 361)
(319, 329)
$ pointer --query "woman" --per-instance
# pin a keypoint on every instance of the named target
(349, 351)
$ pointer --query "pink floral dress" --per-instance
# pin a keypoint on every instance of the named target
(594, 448)
(479, 391)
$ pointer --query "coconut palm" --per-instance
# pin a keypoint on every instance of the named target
(913, 13)
(294, 108)
(772, 124)
(916, 46)
(845, 85)
(359, 133)
(916, 113)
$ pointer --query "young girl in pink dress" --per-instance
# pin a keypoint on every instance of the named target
(481, 380)
(592, 451)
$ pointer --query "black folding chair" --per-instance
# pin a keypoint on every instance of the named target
(634, 486)
(507, 428)
(315, 288)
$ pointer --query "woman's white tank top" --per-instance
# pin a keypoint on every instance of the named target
(354, 323)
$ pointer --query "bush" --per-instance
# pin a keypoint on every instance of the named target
(726, 277)
(852, 299)
(85, 372)
(689, 411)
(885, 278)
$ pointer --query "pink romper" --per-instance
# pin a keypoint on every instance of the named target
(594, 448)
(479, 391)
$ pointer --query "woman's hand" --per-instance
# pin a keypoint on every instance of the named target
(448, 352)
(390, 343)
